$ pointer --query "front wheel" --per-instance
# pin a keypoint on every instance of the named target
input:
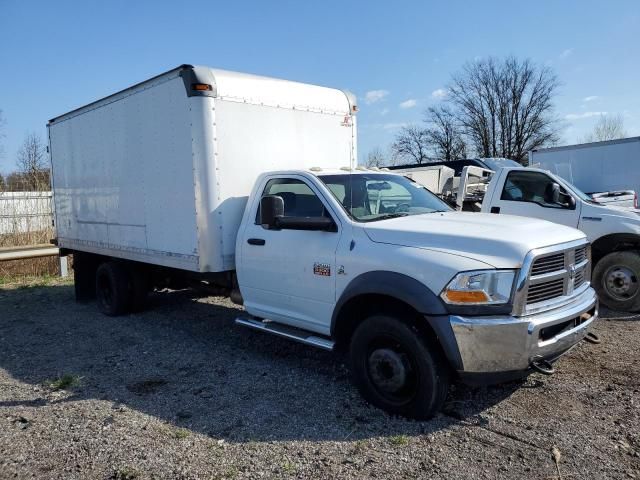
(396, 370)
(616, 278)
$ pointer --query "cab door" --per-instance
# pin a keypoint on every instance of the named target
(288, 275)
(528, 194)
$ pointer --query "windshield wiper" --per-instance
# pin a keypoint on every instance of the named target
(387, 216)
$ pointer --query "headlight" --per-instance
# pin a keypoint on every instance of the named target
(480, 287)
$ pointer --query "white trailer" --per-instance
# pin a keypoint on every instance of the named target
(611, 166)
(152, 173)
(437, 178)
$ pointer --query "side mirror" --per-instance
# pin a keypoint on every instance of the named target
(271, 208)
(552, 194)
(272, 217)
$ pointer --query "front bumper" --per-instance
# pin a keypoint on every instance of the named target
(493, 349)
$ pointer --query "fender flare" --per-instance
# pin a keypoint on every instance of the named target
(411, 292)
(392, 284)
(611, 242)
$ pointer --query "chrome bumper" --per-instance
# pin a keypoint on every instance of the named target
(508, 344)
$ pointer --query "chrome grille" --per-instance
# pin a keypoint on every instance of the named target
(550, 263)
(555, 276)
(546, 290)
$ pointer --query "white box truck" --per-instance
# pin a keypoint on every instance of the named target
(247, 185)
(611, 168)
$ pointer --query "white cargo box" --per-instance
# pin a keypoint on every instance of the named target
(160, 172)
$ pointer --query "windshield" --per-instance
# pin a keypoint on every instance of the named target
(371, 197)
(576, 191)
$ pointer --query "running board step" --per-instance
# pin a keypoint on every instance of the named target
(296, 334)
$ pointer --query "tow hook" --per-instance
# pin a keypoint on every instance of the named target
(542, 366)
(592, 338)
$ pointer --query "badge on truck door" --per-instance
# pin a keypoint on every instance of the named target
(322, 269)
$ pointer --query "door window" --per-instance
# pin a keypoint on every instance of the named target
(532, 187)
(299, 199)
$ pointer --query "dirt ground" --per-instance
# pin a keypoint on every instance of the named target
(179, 391)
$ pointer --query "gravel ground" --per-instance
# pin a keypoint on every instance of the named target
(180, 392)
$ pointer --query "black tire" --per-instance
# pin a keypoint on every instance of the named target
(616, 278)
(113, 292)
(396, 369)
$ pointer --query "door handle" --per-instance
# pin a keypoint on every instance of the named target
(495, 209)
(256, 241)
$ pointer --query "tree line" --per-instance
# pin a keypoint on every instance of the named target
(33, 173)
(491, 108)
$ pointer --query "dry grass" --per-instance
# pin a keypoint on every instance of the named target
(26, 270)
(26, 238)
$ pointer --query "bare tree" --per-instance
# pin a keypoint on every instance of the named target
(14, 182)
(411, 145)
(2, 184)
(444, 134)
(608, 127)
(376, 158)
(32, 163)
(505, 107)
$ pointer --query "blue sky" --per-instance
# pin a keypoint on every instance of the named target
(395, 56)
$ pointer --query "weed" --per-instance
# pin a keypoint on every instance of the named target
(289, 467)
(64, 382)
(125, 473)
(399, 440)
(359, 446)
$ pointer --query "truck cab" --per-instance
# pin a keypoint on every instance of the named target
(372, 263)
(614, 232)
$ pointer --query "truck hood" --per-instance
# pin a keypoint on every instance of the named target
(610, 219)
(627, 212)
(501, 241)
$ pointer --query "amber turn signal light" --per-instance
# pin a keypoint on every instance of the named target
(459, 296)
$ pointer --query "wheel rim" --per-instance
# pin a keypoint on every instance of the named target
(391, 370)
(621, 282)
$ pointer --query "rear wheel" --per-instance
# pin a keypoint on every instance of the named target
(113, 291)
(396, 369)
(616, 278)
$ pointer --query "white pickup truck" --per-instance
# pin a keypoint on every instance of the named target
(248, 185)
(614, 232)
